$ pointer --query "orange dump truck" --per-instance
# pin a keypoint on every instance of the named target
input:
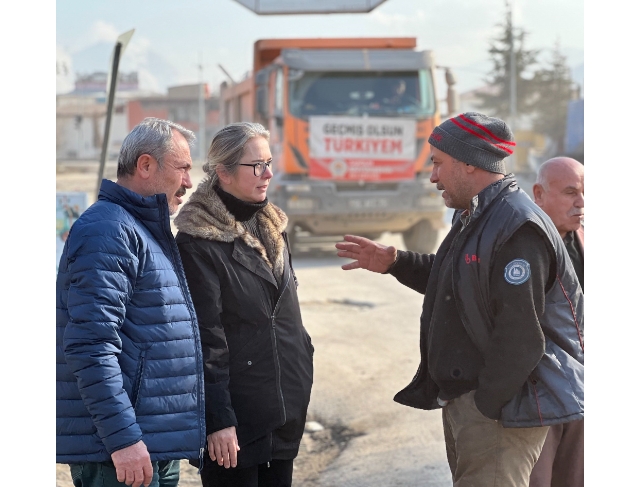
(349, 121)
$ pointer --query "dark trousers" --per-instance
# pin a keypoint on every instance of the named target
(103, 474)
(276, 473)
(561, 463)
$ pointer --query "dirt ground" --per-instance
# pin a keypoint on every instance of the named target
(317, 450)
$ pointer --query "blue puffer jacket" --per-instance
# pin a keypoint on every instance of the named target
(129, 362)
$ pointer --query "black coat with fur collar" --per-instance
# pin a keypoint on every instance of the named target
(257, 354)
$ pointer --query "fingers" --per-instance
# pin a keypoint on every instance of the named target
(351, 265)
(218, 453)
(211, 447)
(121, 474)
(347, 254)
(358, 240)
(133, 465)
(147, 471)
(138, 478)
(348, 246)
(225, 456)
(233, 454)
(128, 476)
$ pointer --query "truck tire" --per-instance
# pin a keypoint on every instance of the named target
(421, 238)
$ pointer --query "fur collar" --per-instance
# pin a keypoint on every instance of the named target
(206, 216)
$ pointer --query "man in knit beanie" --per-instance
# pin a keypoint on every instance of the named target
(502, 366)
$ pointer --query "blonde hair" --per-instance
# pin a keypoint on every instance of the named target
(227, 147)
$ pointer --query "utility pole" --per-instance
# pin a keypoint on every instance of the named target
(121, 43)
(201, 114)
(512, 77)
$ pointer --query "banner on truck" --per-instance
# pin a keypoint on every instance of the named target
(69, 206)
(356, 148)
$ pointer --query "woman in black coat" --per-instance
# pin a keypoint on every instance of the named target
(257, 355)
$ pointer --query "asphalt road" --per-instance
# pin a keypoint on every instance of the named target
(365, 329)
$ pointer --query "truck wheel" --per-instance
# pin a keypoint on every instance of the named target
(421, 238)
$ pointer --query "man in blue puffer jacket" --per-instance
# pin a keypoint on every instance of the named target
(130, 390)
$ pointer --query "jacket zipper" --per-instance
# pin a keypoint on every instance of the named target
(135, 393)
(275, 348)
(173, 249)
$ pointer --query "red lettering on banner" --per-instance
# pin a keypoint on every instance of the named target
(348, 143)
(362, 146)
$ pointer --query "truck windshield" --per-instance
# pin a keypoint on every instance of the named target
(391, 94)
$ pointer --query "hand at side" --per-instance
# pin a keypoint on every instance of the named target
(223, 447)
(133, 465)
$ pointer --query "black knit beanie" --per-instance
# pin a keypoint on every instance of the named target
(475, 139)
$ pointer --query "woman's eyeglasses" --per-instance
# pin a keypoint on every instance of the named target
(259, 167)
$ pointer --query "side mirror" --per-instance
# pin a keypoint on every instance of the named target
(262, 101)
(262, 93)
(452, 101)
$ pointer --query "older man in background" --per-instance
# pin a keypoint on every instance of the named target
(559, 191)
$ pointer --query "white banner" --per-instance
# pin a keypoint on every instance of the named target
(373, 138)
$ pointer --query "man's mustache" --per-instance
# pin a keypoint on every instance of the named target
(577, 212)
(181, 192)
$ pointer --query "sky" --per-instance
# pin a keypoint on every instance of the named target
(172, 38)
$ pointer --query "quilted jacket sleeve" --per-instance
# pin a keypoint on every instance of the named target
(102, 266)
(204, 287)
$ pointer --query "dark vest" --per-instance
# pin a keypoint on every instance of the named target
(554, 392)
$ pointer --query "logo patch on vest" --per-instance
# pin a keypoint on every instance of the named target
(517, 272)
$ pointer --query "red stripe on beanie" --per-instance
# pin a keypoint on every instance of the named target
(506, 149)
(486, 130)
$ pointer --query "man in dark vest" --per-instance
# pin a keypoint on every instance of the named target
(559, 191)
(502, 318)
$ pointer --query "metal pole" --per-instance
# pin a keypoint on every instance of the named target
(121, 44)
(201, 114)
(512, 80)
(107, 127)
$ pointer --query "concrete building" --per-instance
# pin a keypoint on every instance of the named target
(81, 114)
(180, 105)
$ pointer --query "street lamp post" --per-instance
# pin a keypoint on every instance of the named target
(512, 79)
(121, 44)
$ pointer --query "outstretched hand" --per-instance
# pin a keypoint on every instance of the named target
(366, 253)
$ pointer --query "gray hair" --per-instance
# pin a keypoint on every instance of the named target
(227, 147)
(152, 136)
